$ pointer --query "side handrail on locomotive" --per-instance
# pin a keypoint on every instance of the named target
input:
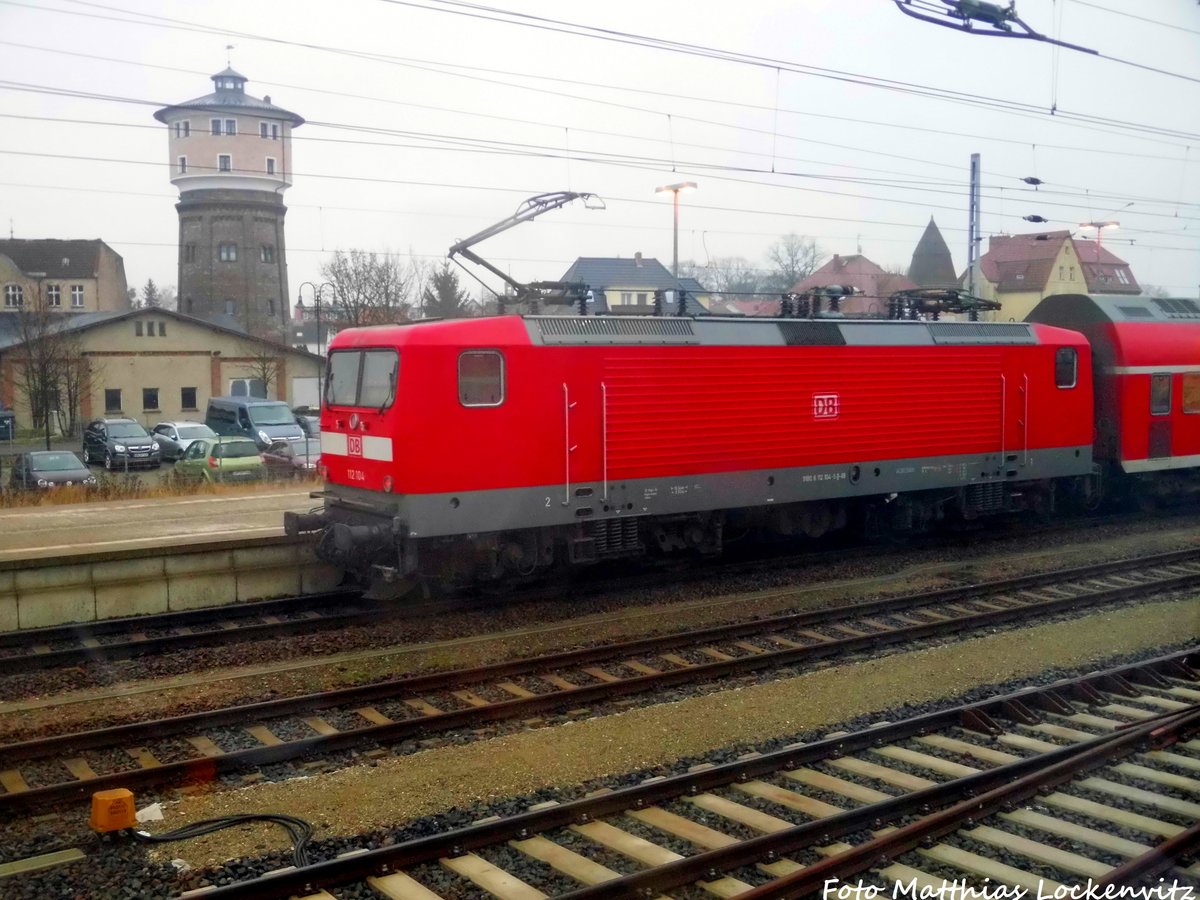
(567, 292)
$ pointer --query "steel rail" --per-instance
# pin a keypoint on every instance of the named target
(32, 660)
(1024, 779)
(207, 768)
(976, 716)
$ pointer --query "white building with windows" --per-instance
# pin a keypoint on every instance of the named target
(231, 159)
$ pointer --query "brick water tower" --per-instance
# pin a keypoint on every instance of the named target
(231, 158)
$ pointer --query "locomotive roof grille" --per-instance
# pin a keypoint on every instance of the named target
(1178, 307)
(981, 333)
(615, 329)
(1136, 312)
(824, 334)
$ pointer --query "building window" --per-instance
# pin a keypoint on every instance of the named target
(271, 307)
(1122, 277)
(183, 165)
(137, 329)
(187, 398)
(270, 165)
(231, 126)
(225, 163)
(262, 129)
(229, 305)
(189, 304)
(54, 295)
(189, 253)
(1071, 273)
(14, 295)
(275, 131)
(1160, 394)
(481, 378)
(266, 253)
(150, 399)
(183, 129)
(77, 296)
(1062, 270)
(227, 252)
(626, 297)
(112, 400)
(215, 126)
(162, 329)
(641, 299)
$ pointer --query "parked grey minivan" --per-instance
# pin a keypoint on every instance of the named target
(263, 421)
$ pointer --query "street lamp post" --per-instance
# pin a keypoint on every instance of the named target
(317, 290)
(675, 189)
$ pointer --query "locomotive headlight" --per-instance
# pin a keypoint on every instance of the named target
(388, 483)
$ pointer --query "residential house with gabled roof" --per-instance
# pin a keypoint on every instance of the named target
(154, 365)
(874, 285)
(623, 286)
(1019, 270)
(71, 276)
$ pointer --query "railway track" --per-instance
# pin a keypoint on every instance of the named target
(123, 638)
(202, 746)
(1095, 777)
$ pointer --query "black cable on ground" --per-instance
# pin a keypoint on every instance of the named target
(299, 831)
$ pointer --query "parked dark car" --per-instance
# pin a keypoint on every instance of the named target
(291, 459)
(309, 424)
(119, 443)
(47, 469)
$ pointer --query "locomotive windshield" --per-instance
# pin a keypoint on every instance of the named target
(362, 378)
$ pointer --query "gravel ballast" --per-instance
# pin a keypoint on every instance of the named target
(397, 789)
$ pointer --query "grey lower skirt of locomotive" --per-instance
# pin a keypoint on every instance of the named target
(376, 548)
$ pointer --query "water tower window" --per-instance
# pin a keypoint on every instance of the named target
(270, 165)
(231, 126)
(225, 162)
(215, 126)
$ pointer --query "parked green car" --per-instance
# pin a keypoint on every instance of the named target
(222, 459)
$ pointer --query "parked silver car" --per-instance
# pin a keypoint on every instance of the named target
(173, 438)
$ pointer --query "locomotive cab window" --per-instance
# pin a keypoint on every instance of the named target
(1191, 392)
(1160, 394)
(481, 378)
(1066, 367)
(362, 378)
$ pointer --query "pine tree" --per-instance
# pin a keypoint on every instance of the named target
(442, 299)
(150, 296)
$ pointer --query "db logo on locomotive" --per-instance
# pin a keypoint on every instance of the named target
(354, 445)
(825, 406)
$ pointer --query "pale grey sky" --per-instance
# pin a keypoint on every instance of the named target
(428, 120)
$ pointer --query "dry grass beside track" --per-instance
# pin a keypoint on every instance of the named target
(131, 487)
(398, 789)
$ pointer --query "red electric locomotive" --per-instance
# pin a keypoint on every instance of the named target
(476, 448)
(1147, 358)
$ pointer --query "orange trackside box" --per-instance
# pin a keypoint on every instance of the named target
(112, 810)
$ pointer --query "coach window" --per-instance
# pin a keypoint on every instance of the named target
(1191, 392)
(481, 378)
(1160, 394)
(1066, 367)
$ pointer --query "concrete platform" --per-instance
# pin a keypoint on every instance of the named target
(38, 533)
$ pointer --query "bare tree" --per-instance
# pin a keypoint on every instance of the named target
(264, 363)
(728, 275)
(368, 288)
(51, 373)
(793, 258)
